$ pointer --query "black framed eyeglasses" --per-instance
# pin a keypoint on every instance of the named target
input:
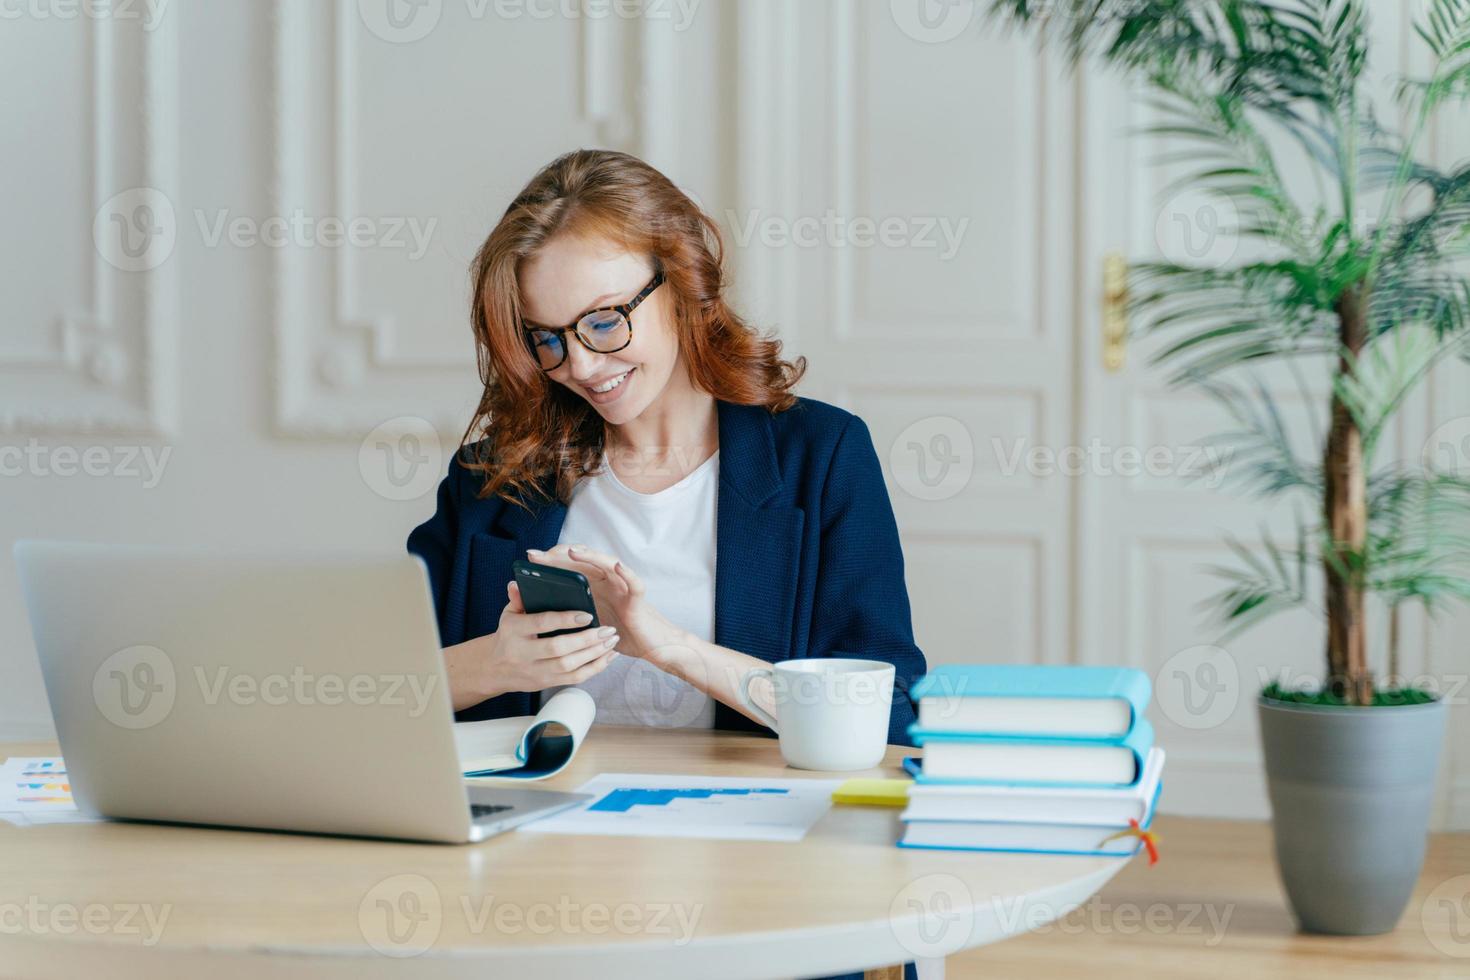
(602, 331)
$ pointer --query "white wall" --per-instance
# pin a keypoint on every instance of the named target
(254, 376)
(261, 377)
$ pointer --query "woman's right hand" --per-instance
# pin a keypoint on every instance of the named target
(525, 662)
(514, 658)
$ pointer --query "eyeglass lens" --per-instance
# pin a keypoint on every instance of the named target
(603, 330)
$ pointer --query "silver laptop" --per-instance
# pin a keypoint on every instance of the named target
(300, 694)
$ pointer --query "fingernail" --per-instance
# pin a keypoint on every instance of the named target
(607, 631)
(534, 551)
(583, 619)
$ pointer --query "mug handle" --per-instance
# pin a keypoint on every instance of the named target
(749, 702)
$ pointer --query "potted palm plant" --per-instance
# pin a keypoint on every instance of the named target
(1357, 280)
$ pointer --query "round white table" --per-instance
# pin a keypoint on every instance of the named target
(123, 899)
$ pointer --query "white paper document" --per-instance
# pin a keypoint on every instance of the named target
(715, 807)
(36, 791)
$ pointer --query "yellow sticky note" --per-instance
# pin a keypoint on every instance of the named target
(873, 792)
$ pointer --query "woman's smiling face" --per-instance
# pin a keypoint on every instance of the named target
(571, 275)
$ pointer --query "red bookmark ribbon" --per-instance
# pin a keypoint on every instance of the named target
(1149, 838)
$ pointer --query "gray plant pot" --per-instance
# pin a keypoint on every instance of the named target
(1350, 795)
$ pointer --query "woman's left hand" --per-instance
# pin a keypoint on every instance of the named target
(644, 631)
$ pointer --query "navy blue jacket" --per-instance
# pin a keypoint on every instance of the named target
(807, 556)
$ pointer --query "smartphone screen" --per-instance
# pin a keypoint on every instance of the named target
(545, 588)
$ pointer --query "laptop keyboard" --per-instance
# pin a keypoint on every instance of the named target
(478, 810)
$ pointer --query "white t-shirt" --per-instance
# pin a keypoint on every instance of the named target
(668, 539)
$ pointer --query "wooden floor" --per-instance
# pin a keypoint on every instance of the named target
(1217, 911)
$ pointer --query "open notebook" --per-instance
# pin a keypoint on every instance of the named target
(530, 747)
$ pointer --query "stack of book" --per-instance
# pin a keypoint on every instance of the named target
(1057, 760)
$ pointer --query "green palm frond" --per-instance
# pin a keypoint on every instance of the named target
(1413, 296)
(1382, 301)
(1441, 231)
(1231, 316)
(1267, 55)
(1391, 367)
(1264, 583)
(1445, 29)
(1263, 457)
(1230, 159)
(1419, 537)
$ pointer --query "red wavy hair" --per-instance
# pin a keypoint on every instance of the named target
(529, 432)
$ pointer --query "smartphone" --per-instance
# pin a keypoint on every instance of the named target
(546, 588)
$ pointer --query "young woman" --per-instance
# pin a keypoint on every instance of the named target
(635, 429)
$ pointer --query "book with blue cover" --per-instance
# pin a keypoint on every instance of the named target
(1044, 700)
(989, 803)
(1017, 760)
(1030, 837)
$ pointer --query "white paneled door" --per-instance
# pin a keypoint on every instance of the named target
(904, 225)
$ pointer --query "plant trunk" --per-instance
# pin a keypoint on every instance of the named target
(1394, 680)
(1345, 509)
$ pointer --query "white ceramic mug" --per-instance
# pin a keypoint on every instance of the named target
(832, 712)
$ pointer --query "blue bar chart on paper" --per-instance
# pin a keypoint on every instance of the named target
(721, 808)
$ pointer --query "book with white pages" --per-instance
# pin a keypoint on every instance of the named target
(1036, 804)
(1030, 700)
(1032, 838)
(963, 757)
(530, 746)
(1095, 718)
